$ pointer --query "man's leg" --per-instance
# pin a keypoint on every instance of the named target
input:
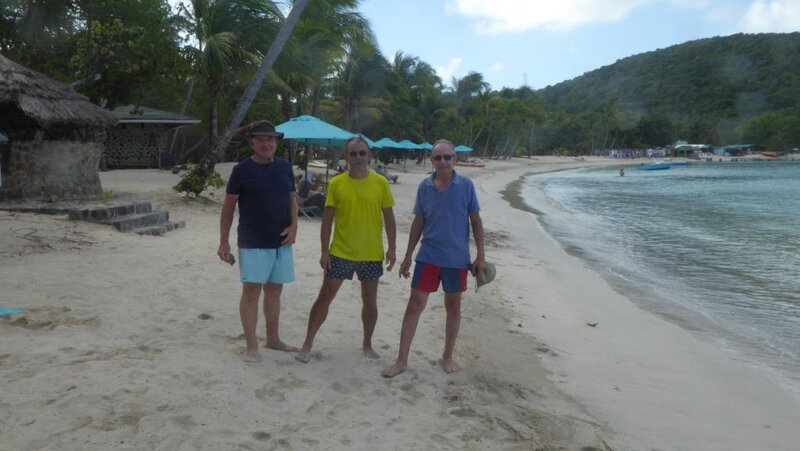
(452, 304)
(319, 311)
(414, 309)
(369, 315)
(248, 311)
(272, 313)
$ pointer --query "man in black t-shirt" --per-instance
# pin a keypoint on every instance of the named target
(263, 187)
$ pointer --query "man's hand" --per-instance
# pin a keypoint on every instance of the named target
(478, 266)
(289, 234)
(224, 252)
(325, 261)
(390, 259)
(405, 267)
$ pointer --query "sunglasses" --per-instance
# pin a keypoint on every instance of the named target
(445, 157)
(360, 153)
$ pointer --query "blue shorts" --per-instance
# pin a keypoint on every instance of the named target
(341, 269)
(427, 276)
(267, 265)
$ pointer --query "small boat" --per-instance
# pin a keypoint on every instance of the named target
(654, 166)
(471, 163)
(770, 154)
(317, 164)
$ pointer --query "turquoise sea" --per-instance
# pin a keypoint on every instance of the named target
(713, 247)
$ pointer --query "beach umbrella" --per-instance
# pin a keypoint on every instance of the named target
(463, 148)
(408, 145)
(387, 143)
(372, 144)
(309, 129)
(312, 130)
(425, 146)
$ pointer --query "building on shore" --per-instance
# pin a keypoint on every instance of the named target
(54, 137)
(140, 139)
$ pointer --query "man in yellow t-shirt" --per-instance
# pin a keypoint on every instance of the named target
(360, 202)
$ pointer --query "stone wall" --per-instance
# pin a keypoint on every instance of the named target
(47, 170)
(134, 146)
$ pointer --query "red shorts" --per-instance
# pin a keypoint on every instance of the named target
(426, 278)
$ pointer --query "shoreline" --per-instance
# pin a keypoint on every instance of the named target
(631, 370)
(135, 342)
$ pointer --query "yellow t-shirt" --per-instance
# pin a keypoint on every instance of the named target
(358, 223)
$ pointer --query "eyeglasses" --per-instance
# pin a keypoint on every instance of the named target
(360, 153)
(445, 157)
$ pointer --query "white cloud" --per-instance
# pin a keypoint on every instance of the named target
(509, 16)
(501, 16)
(496, 67)
(777, 16)
(447, 72)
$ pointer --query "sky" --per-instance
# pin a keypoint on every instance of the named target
(539, 43)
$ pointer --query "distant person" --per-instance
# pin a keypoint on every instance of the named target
(360, 203)
(392, 178)
(308, 197)
(622, 172)
(263, 188)
(445, 208)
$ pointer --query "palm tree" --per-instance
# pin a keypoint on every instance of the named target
(196, 180)
(229, 35)
(463, 91)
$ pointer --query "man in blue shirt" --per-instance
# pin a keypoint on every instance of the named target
(445, 208)
(263, 187)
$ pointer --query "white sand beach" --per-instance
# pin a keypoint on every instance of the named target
(134, 342)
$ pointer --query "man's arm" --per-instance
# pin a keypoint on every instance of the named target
(391, 236)
(225, 222)
(413, 238)
(477, 232)
(325, 237)
(289, 234)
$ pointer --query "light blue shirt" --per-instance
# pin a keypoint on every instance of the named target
(445, 232)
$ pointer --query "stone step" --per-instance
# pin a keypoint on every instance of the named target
(161, 229)
(105, 213)
(130, 222)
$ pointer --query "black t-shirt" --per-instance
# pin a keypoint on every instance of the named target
(264, 201)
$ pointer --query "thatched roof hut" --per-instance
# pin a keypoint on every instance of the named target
(54, 135)
(30, 101)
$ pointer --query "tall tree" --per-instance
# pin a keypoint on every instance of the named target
(196, 180)
(229, 35)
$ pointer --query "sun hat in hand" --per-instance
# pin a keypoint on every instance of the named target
(485, 276)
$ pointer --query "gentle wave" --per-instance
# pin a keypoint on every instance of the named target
(714, 247)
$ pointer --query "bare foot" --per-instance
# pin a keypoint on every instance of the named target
(302, 356)
(281, 346)
(394, 370)
(449, 366)
(252, 356)
(371, 354)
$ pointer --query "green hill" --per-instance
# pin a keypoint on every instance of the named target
(716, 90)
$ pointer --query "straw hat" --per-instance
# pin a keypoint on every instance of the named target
(485, 276)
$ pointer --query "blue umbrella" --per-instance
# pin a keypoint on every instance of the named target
(406, 144)
(425, 145)
(463, 148)
(310, 129)
(372, 144)
(388, 143)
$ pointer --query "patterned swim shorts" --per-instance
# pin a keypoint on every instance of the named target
(343, 269)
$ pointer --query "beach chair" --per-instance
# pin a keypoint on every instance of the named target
(309, 211)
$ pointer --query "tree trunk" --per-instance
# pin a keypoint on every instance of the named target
(213, 117)
(218, 145)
